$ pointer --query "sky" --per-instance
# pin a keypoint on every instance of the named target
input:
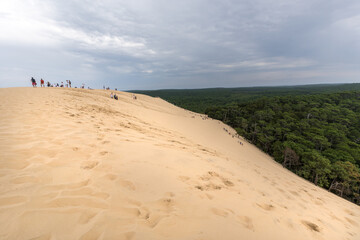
(162, 44)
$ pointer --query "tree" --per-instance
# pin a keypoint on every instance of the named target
(290, 158)
(345, 179)
(316, 168)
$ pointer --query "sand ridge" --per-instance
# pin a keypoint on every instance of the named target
(76, 164)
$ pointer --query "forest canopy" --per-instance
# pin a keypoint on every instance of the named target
(315, 136)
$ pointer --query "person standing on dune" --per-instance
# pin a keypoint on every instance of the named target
(42, 83)
(33, 82)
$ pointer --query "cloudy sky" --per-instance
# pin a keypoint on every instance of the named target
(156, 44)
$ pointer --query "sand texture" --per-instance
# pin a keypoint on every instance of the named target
(76, 164)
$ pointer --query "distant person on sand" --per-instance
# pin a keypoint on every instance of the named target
(116, 97)
(42, 83)
(111, 95)
(33, 82)
(48, 84)
(69, 83)
(62, 84)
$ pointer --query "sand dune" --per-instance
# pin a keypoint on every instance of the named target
(76, 164)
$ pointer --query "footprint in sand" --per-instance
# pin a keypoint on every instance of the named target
(311, 226)
(227, 182)
(352, 222)
(350, 212)
(334, 217)
(246, 222)
(219, 212)
(103, 153)
(318, 202)
(208, 187)
(267, 207)
(111, 176)
(262, 193)
(215, 182)
(89, 165)
(153, 220)
(170, 194)
(294, 193)
(184, 178)
(127, 184)
(150, 220)
(159, 209)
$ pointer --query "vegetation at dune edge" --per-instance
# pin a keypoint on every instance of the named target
(198, 100)
(314, 134)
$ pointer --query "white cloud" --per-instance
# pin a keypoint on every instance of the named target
(22, 22)
(31, 23)
(350, 24)
(102, 42)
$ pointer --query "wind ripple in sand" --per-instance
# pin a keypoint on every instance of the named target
(13, 200)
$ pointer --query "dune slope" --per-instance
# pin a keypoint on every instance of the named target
(76, 164)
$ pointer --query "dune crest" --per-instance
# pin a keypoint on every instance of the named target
(76, 164)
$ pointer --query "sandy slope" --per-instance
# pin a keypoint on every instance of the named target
(76, 164)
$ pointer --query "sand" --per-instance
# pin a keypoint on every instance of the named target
(76, 164)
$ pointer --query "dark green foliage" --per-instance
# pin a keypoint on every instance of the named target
(321, 129)
(312, 130)
(198, 100)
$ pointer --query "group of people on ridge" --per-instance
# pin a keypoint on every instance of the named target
(48, 84)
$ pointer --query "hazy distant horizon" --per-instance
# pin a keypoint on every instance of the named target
(262, 86)
(161, 44)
